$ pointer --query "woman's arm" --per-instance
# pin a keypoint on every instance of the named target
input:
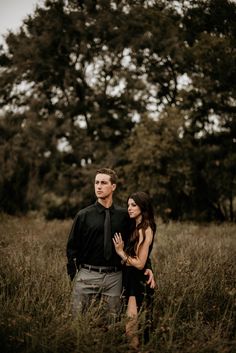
(140, 259)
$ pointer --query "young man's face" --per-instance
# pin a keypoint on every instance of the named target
(103, 186)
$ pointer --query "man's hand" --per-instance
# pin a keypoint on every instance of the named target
(151, 280)
(71, 270)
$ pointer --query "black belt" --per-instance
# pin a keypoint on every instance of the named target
(101, 269)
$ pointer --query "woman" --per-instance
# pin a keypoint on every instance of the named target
(134, 256)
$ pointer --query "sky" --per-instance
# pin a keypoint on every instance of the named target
(12, 13)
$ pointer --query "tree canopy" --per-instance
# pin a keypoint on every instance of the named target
(144, 87)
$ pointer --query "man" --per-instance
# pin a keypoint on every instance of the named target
(96, 270)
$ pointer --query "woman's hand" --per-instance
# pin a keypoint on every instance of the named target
(118, 243)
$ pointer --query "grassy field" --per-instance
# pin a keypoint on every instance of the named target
(195, 302)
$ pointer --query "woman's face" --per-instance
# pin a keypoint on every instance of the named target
(133, 209)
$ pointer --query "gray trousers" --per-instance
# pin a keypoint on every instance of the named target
(89, 285)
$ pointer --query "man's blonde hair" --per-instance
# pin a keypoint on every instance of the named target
(110, 172)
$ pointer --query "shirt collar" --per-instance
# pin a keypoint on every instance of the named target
(101, 208)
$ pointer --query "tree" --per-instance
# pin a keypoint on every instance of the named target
(158, 163)
(81, 81)
(85, 84)
(209, 103)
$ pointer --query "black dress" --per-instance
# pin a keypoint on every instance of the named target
(134, 284)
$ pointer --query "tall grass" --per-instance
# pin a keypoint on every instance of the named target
(194, 304)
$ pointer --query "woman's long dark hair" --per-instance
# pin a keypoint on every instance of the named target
(143, 200)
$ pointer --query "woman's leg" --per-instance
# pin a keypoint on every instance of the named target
(132, 323)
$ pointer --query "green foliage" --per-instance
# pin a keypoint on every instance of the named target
(158, 163)
(84, 82)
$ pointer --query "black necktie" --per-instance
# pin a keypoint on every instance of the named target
(107, 235)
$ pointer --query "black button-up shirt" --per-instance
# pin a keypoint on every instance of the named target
(86, 238)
